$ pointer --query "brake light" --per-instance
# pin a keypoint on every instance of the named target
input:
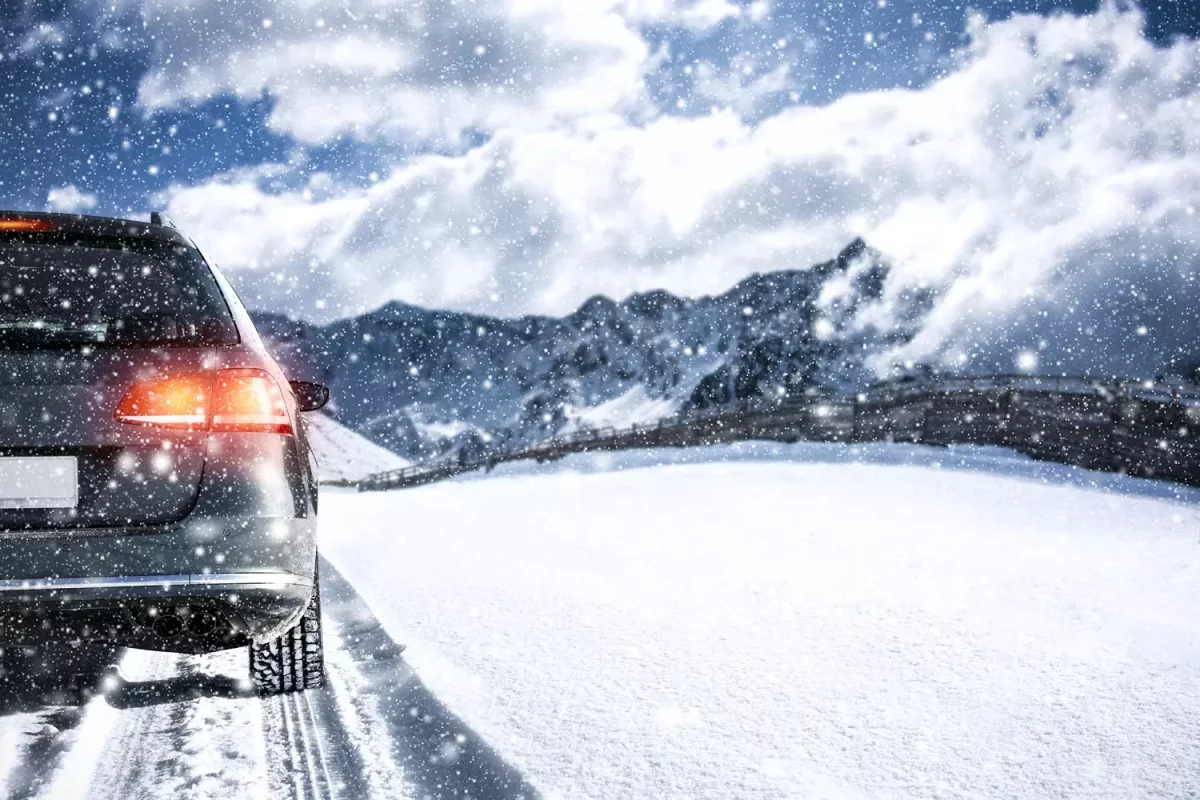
(248, 400)
(24, 225)
(245, 400)
(180, 402)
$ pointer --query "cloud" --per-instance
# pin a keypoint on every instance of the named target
(695, 15)
(428, 70)
(1047, 189)
(737, 89)
(69, 199)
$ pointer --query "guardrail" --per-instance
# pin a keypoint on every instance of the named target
(1139, 427)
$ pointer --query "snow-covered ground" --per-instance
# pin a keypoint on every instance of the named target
(188, 727)
(749, 621)
(343, 455)
(635, 406)
(766, 628)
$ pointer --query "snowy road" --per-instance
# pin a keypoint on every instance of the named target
(180, 727)
(766, 622)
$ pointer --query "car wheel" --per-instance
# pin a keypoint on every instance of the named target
(296, 660)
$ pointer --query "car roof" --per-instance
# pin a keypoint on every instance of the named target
(86, 225)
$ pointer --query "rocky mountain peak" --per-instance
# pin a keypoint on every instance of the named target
(425, 382)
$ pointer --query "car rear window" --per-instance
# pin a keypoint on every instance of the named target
(108, 292)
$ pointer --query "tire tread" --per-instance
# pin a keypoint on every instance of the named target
(295, 660)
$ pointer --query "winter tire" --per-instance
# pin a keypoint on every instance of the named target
(296, 660)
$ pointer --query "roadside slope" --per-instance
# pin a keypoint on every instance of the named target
(343, 455)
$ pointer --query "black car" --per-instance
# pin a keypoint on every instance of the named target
(157, 490)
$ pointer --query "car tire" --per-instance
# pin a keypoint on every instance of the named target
(294, 661)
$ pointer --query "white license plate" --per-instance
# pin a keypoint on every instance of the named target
(47, 482)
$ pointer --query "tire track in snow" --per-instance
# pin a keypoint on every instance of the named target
(178, 730)
(37, 748)
(50, 717)
(297, 751)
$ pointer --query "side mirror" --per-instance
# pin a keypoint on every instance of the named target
(309, 396)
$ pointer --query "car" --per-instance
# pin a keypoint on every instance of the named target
(157, 490)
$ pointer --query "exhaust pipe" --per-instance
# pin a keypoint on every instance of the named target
(201, 623)
(173, 623)
(168, 626)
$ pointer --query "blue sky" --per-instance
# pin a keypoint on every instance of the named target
(1027, 161)
(63, 78)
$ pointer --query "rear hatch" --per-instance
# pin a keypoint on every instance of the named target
(81, 319)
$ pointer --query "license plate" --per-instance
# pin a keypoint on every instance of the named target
(45, 482)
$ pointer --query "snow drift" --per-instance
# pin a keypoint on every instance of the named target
(343, 455)
(757, 628)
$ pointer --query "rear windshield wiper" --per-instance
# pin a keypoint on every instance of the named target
(149, 331)
(167, 330)
(25, 335)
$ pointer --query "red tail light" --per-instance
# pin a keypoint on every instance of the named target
(246, 400)
(25, 225)
(180, 401)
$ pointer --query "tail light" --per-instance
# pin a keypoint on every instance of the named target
(248, 400)
(25, 225)
(180, 402)
(245, 400)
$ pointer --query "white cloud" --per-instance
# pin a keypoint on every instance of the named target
(69, 199)
(742, 91)
(1057, 168)
(697, 15)
(44, 34)
(425, 69)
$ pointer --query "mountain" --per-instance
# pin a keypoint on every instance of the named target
(424, 383)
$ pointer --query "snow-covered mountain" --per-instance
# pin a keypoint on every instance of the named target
(423, 382)
(343, 455)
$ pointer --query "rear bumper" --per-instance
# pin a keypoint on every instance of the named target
(82, 587)
(254, 575)
(236, 609)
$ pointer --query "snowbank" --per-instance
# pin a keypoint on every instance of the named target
(343, 455)
(633, 407)
(760, 628)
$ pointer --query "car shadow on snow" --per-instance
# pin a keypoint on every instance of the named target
(176, 689)
(48, 677)
(440, 755)
(22, 698)
(56, 683)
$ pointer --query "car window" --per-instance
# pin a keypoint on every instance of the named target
(57, 292)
